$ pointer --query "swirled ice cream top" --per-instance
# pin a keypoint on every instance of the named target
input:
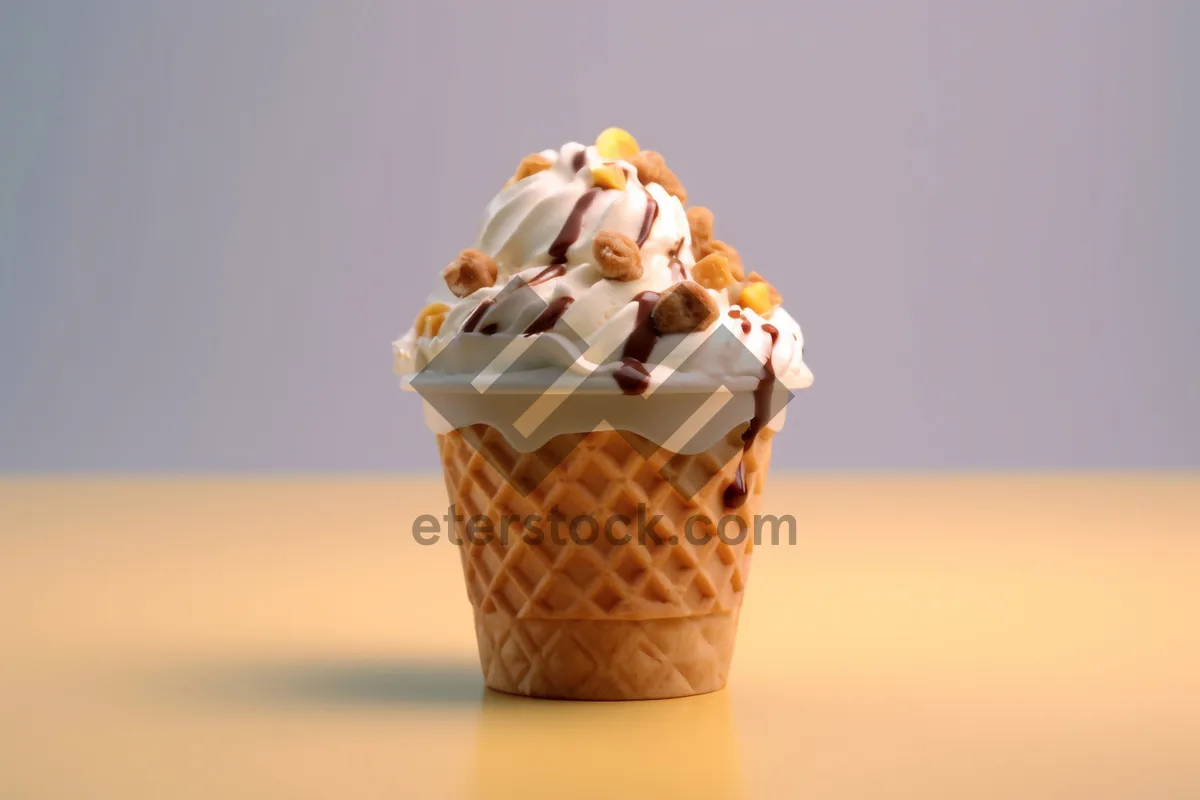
(589, 261)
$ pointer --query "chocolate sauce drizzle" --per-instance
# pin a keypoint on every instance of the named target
(677, 269)
(579, 160)
(648, 219)
(632, 375)
(477, 314)
(735, 313)
(550, 315)
(736, 492)
(571, 228)
(552, 271)
(558, 258)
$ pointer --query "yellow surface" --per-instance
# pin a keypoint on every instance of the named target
(955, 637)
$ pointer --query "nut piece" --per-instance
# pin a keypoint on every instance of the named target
(649, 165)
(717, 246)
(668, 181)
(471, 271)
(700, 221)
(617, 256)
(651, 168)
(430, 320)
(773, 293)
(531, 164)
(616, 143)
(756, 296)
(713, 272)
(685, 307)
(609, 176)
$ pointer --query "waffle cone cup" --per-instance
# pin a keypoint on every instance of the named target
(640, 612)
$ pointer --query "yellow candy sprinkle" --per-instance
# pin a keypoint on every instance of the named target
(616, 144)
(609, 176)
(713, 272)
(430, 320)
(756, 296)
(531, 165)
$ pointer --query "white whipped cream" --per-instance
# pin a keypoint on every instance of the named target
(519, 228)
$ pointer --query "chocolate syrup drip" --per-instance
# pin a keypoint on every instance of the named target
(735, 312)
(648, 219)
(677, 265)
(552, 271)
(571, 228)
(550, 315)
(476, 315)
(632, 376)
(579, 160)
(746, 325)
(736, 492)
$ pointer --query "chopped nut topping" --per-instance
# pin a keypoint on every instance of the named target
(668, 181)
(756, 296)
(609, 176)
(649, 165)
(531, 164)
(430, 320)
(685, 307)
(651, 168)
(617, 256)
(713, 272)
(470, 272)
(616, 143)
(772, 292)
(700, 221)
(717, 246)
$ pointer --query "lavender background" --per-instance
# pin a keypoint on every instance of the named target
(214, 217)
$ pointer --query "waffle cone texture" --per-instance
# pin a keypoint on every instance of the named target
(624, 616)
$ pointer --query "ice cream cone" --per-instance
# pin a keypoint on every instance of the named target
(613, 607)
(604, 377)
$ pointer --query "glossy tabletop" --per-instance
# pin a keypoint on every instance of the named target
(925, 636)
